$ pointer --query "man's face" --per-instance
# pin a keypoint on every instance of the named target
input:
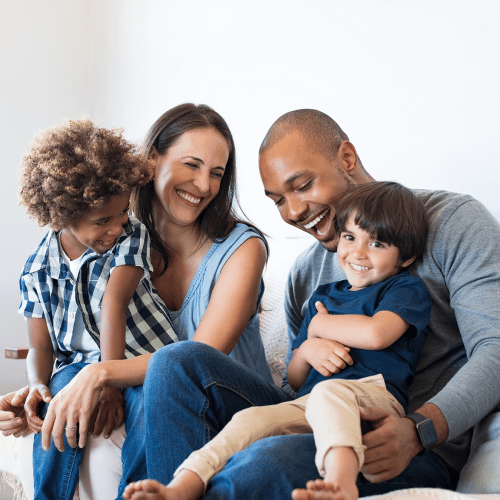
(305, 186)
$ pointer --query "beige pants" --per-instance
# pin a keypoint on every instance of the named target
(330, 411)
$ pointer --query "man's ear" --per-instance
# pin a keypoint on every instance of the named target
(408, 262)
(348, 157)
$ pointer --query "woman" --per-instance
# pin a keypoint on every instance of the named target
(207, 269)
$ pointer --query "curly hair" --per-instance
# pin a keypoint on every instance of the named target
(74, 168)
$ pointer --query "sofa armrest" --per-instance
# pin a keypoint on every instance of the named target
(16, 353)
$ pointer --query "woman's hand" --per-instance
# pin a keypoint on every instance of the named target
(12, 414)
(108, 414)
(38, 393)
(70, 410)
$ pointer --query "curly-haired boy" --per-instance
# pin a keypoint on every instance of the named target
(86, 290)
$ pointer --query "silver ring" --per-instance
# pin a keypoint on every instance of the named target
(70, 428)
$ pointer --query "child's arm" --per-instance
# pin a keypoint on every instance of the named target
(39, 369)
(325, 356)
(119, 291)
(356, 330)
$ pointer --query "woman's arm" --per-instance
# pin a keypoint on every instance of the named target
(355, 330)
(234, 297)
(76, 402)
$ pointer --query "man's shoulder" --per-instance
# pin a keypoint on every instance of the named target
(451, 214)
(441, 204)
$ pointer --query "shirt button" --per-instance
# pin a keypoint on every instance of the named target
(71, 315)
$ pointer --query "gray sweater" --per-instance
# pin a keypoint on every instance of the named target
(460, 367)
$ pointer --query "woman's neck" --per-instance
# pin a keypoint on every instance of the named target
(181, 241)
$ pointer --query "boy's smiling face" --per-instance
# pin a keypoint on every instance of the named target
(366, 260)
(98, 230)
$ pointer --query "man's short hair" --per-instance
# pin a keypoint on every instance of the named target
(316, 127)
(390, 213)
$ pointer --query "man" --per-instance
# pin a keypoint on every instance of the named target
(306, 164)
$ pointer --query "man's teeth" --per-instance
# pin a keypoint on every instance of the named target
(358, 268)
(315, 221)
(188, 197)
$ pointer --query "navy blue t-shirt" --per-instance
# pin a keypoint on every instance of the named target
(404, 295)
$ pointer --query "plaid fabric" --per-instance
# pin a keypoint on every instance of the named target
(49, 291)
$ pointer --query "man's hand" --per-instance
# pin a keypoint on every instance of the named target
(326, 356)
(12, 415)
(390, 446)
(108, 414)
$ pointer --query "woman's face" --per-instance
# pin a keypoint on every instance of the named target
(188, 175)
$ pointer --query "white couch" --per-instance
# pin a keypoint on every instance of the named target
(15, 454)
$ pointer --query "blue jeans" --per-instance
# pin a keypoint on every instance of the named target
(56, 474)
(191, 391)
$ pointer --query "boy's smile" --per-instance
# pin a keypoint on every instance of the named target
(98, 230)
(366, 260)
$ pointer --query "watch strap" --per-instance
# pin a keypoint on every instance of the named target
(421, 421)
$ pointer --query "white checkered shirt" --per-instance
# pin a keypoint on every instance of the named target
(49, 291)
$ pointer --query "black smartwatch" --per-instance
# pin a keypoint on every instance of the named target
(426, 432)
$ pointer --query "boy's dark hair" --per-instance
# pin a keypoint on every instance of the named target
(389, 212)
(74, 168)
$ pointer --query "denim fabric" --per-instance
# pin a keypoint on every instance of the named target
(191, 392)
(56, 474)
(272, 467)
(133, 451)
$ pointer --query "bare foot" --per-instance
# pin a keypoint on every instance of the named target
(147, 490)
(322, 490)
(187, 485)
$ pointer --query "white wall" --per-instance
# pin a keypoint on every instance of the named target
(414, 84)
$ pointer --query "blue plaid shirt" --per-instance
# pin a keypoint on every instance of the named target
(49, 291)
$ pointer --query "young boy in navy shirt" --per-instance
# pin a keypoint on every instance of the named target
(379, 313)
(86, 290)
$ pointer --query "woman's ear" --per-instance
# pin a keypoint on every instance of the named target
(153, 154)
(408, 262)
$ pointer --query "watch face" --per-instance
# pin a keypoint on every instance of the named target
(427, 433)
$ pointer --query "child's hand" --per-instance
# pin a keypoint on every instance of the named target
(326, 356)
(108, 414)
(38, 393)
(321, 308)
(314, 330)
